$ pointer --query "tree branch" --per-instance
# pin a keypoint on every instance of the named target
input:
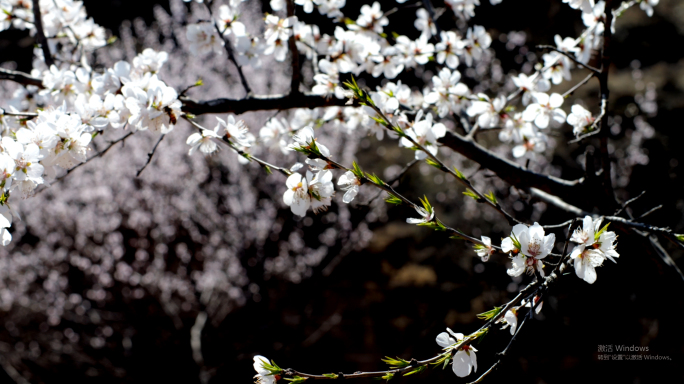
(20, 77)
(507, 170)
(40, 34)
(259, 103)
(296, 72)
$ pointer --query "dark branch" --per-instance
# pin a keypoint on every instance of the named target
(507, 170)
(40, 34)
(296, 72)
(259, 103)
(20, 77)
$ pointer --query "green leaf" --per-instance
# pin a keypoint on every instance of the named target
(426, 204)
(598, 234)
(380, 121)
(375, 179)
(516, 242)
(472, 194)
(445, 357)
(490, 196)
(393, 200)
(296, 379)
(398, 130)
(480, 335)
(198, 83)
(433, 163)
(680, 237)
(330, 375)
(396, 363)
(459, 174)
(268, 169)
(489, 314)
(416, 370)
(388, 376)
(356, 170)
(272, 368)
(437, 226)
(460, 236)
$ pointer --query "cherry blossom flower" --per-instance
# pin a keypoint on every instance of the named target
(235, 131)
(424, 133)
(204, 141)
(534, 246)
(647, 6)
(425, 216)
(476, 41)
(449, 49)
(511, 318)
(585, 261)
(321, 190)
(371, 18)
(488, 112)
(28, 171)
(532, 141)
(425, 24)
(511, 244)
(304, 139)
(596, 245)
(307, 4)
(464, 361)
(203, 39)
(580, 119)
(545, 110)
(227, 21)
(263, 376)
(350, 183)
(485, 249)
(297, 194)
(530, 85)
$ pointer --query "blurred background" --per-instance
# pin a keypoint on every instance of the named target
(183, 274)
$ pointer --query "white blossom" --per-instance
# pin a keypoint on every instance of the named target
(580, 119)
(485, 249)
(464, 361)
(350, 183)
(534, 246)
(263, 375)
(203, 39)
(545, 110)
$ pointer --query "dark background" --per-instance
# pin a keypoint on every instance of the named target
(395, 296)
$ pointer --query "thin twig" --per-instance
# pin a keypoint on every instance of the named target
(150, 155)
(396, 178)
(442, 167)
(649, 212)
(229, 50)
(40, 34)
(578, 85)
(628, 202)
(552, 48)
(225, 140)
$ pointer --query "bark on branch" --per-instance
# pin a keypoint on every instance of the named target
(509, 171)
(20, 77)
(259, 103)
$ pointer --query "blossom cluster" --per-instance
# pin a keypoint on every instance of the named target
(596, 244)
(78, 105)
(66, 20)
